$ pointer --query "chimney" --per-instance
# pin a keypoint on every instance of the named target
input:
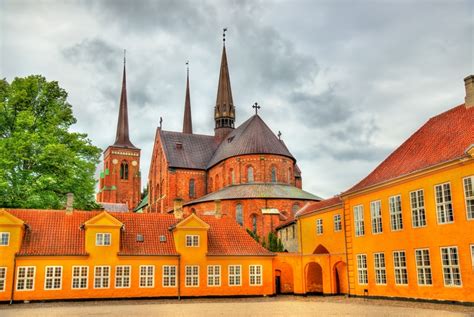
(218, 212)
(69, 202)
(178, 208)
(469, 83)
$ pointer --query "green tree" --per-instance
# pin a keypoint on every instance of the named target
(40, 159)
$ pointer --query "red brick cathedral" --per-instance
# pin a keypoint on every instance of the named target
(246, 173)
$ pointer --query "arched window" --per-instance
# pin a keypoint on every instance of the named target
(274, 174)
(295, 208)
(124, 170)
(192, 192)
(289, 175)
(217, 185)
(231, 176)
(239, 217)
(250, 174)
(254, 223)
(210, 184)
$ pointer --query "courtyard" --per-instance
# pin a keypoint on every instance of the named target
(258, 306)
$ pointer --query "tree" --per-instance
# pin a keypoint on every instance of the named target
(40, 159)
(272, 243)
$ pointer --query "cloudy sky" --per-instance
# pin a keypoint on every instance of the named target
(344, 82)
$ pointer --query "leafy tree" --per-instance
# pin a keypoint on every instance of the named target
(40, 159)
(272, 243)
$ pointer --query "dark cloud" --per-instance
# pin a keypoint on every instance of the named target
(94, 51)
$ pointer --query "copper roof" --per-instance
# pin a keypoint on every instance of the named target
(251, 137)
(224, 100)
(257, 190)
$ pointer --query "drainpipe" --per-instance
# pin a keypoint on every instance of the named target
(179, 277)
(13, 279)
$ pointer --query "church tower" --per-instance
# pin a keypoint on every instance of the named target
(224, 113)
(120, 181)
(187, 120)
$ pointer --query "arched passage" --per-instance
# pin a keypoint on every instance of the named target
(314, 278)
(284, 272)
(340, 278)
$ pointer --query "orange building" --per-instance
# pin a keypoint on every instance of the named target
(47, 254)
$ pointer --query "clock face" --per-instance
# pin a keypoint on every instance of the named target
(114, 161)
(134, 163)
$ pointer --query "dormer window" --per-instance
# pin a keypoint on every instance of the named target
(103, 239)
(4, 238)
(192, 240)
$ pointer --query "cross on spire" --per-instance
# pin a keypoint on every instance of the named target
(256, 107)
(223, 34)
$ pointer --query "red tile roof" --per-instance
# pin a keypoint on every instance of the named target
(443, 138)
(320, 205)
(286, 223)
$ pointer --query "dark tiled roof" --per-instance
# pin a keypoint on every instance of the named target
(443, 138)
(114, 207)
(320, 205)
(195, 152)
(257, 190)
(251, 137)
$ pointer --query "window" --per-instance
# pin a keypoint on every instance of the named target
(254, 224)
(380, 273)
(451, 270)
(376, 216)
(417, 201)
(400, 266)
(4, 238)
(147, 275)
(169, 275)
(337, 223)
(250, 174)
(423, 266)
(102, 239)
(444, 207)
(124, 170)
(293, 231)
(396, 221)
(53, 277)
(25, 280)
(274, 174)
(255, 275)
(359, 220)
(472, 255)
(192, 275)
(101, 276)
(192, 240)
(3, 277)
(231, 177)
(319, 226)
(289, 175)
(362, 269)
(192, 192)
(239, 216)
(213, 275)
(469, 195)
(122, 276)
(80, 276)
(235, 275)
(286, 233)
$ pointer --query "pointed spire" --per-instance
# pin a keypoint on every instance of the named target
(187, 121)
(122, 138)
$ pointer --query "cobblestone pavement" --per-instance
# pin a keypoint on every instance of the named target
(262, 306)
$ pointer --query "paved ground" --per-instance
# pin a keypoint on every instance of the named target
(274, 306)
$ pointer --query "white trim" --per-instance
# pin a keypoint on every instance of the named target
(401, 268)
(123, 276)
(79, 277)
(319, 227)
(418, 209)
(4, 279)
(396, 225)
(25, 278)
(359, 225)
(146, 276)
(471, 246)
(423, 267)
(102, 277)
(213, 275)
(339, 221)
(191, 276)
(52, 278)
(376, 217)
(256, 275)
(193, 240)
(380, 268)
(8, 239)
(229, 275)
(362, 269)
(450, 265)
(443, 203)
(169, 276)
(103, 234)
(465, 196)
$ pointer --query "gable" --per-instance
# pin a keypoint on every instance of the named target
(103, 219)
(192, 222)
(7, 219)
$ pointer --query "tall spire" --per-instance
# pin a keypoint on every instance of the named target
(122, 138)
(187, 121)
(224, 114)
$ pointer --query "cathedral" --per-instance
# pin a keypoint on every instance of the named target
(244, 172)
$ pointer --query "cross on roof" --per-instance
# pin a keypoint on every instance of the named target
(161, 121)
(256, 107)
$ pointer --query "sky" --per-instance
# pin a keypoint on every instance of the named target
(345, 82)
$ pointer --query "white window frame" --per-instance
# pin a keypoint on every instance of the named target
(26, 278)
(470, 197)
(192, 275)
(442, 203)
(472, 255)
(80, 277)
(256, 273)
(376, 216)
(232, 277)
(123, 277)
(3, 278)
(396, 216)
(169, 275)
(53, 278)
(337, 223)
(450, 266)
(101, 277)
(359, 220)
(192, 240)
(2, 234)
(319, 227)
(146, 276)
(100, 239)
(418, 211)
(423, 270)
(362, 272)
(400, 271)
(213, 278)
(380, 268)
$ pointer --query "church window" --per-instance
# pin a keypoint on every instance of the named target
(274, 174)
(254, 224)
(216, 185)
(210, 184)
(124, 170)
(192, 193)
(239, 214)
(231, 177)
(289, 175)
(250, 174)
